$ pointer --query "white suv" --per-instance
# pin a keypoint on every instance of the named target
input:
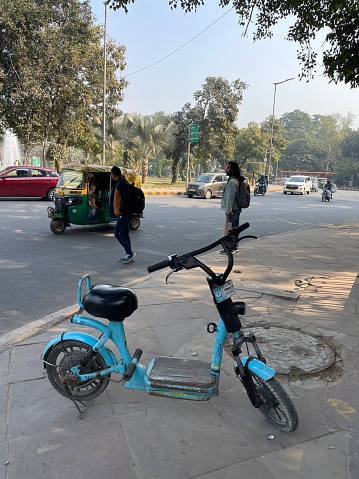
(298, 184)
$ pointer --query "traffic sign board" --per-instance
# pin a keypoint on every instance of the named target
(193, 133)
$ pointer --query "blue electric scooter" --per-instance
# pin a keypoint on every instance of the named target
(79, 365)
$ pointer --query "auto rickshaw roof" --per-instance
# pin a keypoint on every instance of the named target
(129, 174)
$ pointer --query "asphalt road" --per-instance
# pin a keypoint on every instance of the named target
(39, 270)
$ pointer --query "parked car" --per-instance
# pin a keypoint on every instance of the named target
(207, 185)
(28, 181)
(314, 184)
(298, 184)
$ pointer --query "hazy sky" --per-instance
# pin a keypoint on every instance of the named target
(151, 31)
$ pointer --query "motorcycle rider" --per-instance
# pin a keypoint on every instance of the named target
(262, 184)
(328, 188)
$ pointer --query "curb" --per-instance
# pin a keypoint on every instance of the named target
(163, 193)
(43, 324)
(181, 192)
(36, 327)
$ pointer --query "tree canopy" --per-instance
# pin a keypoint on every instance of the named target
(339, 18)
(51, 71)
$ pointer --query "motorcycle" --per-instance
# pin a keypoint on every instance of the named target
(260, 189)
(326, 194)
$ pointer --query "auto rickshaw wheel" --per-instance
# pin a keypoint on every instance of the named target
(57, 226)
(134, 223)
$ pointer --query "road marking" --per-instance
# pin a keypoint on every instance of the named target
(342, 408)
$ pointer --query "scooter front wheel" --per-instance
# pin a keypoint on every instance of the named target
(67, 354)
(276, 405)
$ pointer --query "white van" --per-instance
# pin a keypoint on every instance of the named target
(298, 184)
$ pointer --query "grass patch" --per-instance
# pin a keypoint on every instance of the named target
(163, 184)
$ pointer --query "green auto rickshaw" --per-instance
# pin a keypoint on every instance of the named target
(82, 197)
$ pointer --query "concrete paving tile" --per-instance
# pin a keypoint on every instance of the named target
(145, 339)
(322, 457)
(174, 337)
(3, 413)
(4, 367)
(207, 309)
(252, 426)
(192, 434)
(164, 295)
(3, 459)
(249, 468)
(127, 401)
(353, 455)
(26, 363)
(168, 314)
(91, 450)
(338, 401)
(35, 407)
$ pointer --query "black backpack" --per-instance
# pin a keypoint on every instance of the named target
(243, 196)
(137, 202)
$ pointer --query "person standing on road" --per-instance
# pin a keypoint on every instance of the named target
(229, 203)
(120, 206)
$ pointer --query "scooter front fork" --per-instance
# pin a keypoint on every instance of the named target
(242, 371)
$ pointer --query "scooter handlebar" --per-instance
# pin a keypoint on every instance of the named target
(157, 266)
(240, 228)
(170, 262)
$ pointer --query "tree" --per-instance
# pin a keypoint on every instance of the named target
(178, 150)
(51, 61)
(251, 146)
(301, 153)
(347, 164)
(279, 142)
(149, 134)
(216, 111)
(327, 140)
(339, 18)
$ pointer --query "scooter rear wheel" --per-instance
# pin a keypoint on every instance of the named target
(66, 354)
(276, 405)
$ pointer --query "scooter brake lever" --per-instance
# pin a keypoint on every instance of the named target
(169, 274)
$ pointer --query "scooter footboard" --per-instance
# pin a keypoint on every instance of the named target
(107, 355)
(258, 368)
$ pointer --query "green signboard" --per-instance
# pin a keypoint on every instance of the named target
(36, 161)
(193, 133)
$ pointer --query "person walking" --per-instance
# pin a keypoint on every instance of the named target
(229, 197)
(120, 206)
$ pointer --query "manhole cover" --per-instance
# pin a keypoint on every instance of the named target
(290, 352)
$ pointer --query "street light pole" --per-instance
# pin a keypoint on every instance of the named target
(104, 86)
(272, 126)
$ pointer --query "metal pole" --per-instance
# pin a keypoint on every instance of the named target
(188, 153)
(104, 88)
(272, 126)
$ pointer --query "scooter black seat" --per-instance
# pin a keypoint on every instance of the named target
(114, 303)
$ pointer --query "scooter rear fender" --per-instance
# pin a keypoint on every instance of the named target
(259, 368)
(107, 355)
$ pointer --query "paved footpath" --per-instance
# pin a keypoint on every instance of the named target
(302, 295)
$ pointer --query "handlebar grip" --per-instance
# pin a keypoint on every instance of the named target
(157, 266)
(241, 228)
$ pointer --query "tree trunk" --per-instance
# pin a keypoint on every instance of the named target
(144, 170)
(174, 172)
(43, 159)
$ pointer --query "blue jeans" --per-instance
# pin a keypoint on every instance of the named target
(234, 218)
(122, 231)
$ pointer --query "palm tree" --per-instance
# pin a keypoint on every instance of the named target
(149, 134)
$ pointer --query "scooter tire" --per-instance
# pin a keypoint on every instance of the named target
(277, 407)
(67, 354)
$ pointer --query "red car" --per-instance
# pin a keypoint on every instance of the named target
(28, 181)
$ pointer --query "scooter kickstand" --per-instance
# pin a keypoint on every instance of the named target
(77, 402)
